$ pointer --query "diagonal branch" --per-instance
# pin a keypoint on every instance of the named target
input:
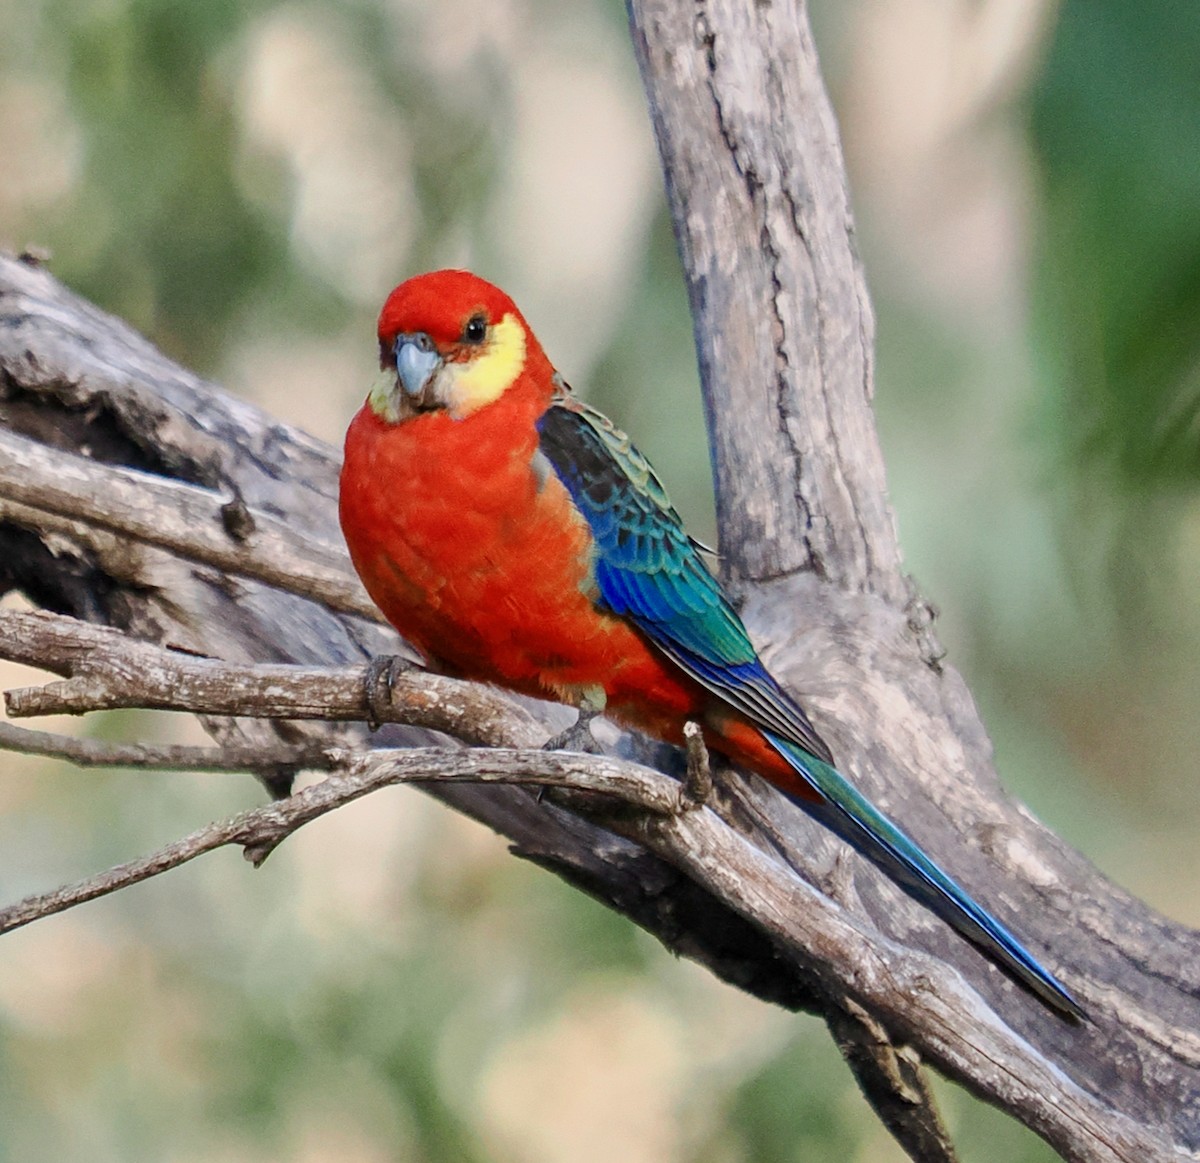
(784, 333)
(911, 992)
(193, 522)
(260, 830)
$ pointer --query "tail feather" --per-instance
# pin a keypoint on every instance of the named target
(851, 816)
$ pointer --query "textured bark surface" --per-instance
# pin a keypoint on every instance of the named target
(784, 333)
(784, 327)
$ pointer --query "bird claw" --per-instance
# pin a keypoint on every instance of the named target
(578, 736)
(380, 680)
(697, 784)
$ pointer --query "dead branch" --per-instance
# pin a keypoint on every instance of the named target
(161, 757)
(784, 332)
(193, 522)
(109, 670)
(851, 959)
(260, 831)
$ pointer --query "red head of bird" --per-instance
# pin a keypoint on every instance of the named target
(453, 342)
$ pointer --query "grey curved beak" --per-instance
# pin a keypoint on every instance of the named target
(416, 361)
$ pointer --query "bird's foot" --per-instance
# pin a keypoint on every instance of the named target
(697, 784)
(382, 672)
(578, 736)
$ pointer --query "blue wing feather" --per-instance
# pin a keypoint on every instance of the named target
(648, 569)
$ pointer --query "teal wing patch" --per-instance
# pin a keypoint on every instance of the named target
(649, 570)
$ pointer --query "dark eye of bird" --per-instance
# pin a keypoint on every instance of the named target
(476, 329)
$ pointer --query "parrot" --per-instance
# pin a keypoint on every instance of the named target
(513, 535)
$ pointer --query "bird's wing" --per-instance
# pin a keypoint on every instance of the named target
(649, 570)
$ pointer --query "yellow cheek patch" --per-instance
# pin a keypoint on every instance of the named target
(384, 397)
(487, 376)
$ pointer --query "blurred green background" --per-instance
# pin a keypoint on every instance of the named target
(245, 181)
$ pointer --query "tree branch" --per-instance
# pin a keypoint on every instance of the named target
(260, 831)
(188, 520)
(108, 671)
(783, 322)
(758, 193)
(161, 757)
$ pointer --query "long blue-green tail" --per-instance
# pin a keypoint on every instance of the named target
(852, 817)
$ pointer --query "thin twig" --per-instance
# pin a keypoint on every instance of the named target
(260, 830)
(161, 756)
